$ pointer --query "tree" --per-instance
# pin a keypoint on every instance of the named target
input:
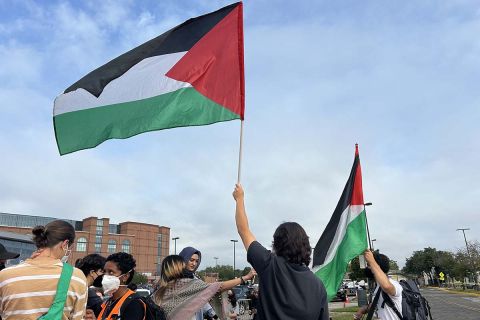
(139, 278)
(356, 274)
(393, 265)
(225, 272)
(424, 260)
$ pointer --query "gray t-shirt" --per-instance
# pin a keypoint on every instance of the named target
(287, 291)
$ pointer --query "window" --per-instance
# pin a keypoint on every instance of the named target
(99, 230)
(126, 246)
(100, 222)
(112, 246)
(159, 244)
(98, 247)
(82, 244)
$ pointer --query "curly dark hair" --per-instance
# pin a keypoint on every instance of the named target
(383, 261)
(91, 262)
(291, 242)
(125, 262)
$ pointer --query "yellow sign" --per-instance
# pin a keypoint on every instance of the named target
(442, 276)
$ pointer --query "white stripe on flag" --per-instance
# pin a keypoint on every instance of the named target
(144, 80)
(348, 215)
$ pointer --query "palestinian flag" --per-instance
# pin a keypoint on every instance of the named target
(191, 75)
(345, 236)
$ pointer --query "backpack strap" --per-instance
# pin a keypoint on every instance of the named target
(56, 309)
(373, 306)
(129, 299)
(389, 302)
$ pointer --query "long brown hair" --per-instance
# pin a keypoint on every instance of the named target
(172, 270)
(52, 233)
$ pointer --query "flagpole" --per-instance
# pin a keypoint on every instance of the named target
(240, 152)
(366, 221)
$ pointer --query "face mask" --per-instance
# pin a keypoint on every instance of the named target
(97, 283)
(67, 253)
(110, 284)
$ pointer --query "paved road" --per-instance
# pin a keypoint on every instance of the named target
(452, 306)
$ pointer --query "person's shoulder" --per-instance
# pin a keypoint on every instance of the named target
(398, 287)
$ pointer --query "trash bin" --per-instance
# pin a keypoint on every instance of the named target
(362, 297)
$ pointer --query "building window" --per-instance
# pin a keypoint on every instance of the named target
(112, 246)
(159, 244)
(98, 247)
(126, 246)
(82, 244)
(99, 230)
(100, 222)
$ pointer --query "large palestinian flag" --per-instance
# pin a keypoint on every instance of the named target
(345, 236)
(191, 75)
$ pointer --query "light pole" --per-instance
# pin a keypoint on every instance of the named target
(372, 243)
(234, 242)
(175, 241)
(216, 260)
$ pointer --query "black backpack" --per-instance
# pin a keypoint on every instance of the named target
(153, 311)
(414, 305)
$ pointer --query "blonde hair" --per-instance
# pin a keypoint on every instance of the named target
(171, 271)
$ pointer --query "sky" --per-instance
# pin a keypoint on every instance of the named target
(398, 78)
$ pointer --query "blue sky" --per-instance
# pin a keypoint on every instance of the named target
(401, 79)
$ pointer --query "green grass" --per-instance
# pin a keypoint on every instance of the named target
(341, 316)
(347, 309)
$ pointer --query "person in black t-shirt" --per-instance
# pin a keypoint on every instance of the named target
(92, 267)
(288, 289)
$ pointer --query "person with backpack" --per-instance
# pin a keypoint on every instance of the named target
(29, 290)
(387, 289)
(92, 267)
(119, 270)
(392, 300)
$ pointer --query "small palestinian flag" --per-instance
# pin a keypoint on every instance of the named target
(191, 75)
(345, 236)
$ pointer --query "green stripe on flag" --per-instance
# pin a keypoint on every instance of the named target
(88, 128)
(353, 243)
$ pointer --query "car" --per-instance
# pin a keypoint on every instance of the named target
(241, 291)
(143, 292)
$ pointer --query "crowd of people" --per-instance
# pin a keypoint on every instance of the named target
(46, 287)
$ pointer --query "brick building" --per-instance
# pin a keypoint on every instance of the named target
(148, 243)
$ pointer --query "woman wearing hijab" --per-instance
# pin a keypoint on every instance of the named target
(182, 297)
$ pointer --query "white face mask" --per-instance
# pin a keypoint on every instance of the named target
(110, 284)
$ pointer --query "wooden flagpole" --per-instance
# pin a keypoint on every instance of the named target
(240, 152)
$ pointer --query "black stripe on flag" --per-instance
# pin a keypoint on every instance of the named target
(323, 245)
(179, 39)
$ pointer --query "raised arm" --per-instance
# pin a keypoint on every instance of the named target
(229, 284)
(241, 217)
(379, 275)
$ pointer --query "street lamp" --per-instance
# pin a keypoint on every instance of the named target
(372, 243)
(216, 260)
(234, 242)
(175, 241)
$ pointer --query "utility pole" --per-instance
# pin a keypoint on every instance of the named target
(468, 253)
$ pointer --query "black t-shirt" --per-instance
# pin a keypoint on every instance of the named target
(94, 302)
(135, 310)
(287, 291)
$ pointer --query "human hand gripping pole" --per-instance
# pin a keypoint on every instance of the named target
(241, 219)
